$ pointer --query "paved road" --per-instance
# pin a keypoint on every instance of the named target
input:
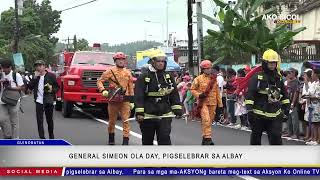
(89, 128)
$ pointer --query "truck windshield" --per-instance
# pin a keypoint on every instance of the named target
(93, 58)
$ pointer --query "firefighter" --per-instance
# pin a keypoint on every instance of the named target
(156, 95)
(120, 96)
(267, 102)
(206, 90)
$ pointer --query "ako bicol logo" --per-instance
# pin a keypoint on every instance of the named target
(282, 19)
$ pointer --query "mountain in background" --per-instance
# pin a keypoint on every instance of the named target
(128, 48)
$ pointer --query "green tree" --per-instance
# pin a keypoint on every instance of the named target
(35, 48)
(83, 45)
(243, 32)
(59, 47)
(75, 43)
(130, 48)
(4, 48)
(36, 20)
(50, 19)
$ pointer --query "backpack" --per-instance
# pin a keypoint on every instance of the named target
(11, 97)
(14, 77)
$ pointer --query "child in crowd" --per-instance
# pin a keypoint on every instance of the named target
(313, 105)
(240, 106)
(189, 101)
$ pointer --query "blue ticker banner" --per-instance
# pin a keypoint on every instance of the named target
(192, 171)
(33, 142)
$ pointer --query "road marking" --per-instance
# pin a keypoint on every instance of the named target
(137, 135)
(248, 130)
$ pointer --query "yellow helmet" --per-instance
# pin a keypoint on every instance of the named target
(158, 53)
(271, 56)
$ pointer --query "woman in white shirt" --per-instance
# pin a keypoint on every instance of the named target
(314, 108)
(311, 94)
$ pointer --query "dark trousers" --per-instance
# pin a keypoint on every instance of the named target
(46, 109)
(273, 127)
(160, 127)
(244, 120)
(231, 109)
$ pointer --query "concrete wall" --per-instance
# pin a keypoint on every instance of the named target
(310, 20)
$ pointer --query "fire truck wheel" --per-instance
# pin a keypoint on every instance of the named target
(58, 106)
(67, 109)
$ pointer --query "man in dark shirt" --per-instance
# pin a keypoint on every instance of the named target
(44, 86)
(293, 93)
(231, 97)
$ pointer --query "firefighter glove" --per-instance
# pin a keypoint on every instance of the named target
(105, 93)
(178, 113)
(131, 106)
(139, 118)
(202, 96)
(285, 118)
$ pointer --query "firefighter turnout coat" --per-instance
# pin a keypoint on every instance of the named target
(259, 100)
(156, 94)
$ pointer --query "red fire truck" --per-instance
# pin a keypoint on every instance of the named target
(78, 76)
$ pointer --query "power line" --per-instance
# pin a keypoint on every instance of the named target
(79, 5)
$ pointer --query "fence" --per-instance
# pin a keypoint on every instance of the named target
(298, 54)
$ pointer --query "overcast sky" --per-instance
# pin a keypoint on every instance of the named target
(120, 21)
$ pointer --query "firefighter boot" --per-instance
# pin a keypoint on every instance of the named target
(210, 142)
(207, 141)
(111, 139)
(202, 141)
(125, 141)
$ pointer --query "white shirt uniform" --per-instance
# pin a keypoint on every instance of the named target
(40, 90)
(221, 83)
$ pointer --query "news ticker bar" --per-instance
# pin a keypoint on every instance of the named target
(159, 156)
(34, 142)
(67, 171)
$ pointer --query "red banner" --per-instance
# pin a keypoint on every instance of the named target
(31, 171)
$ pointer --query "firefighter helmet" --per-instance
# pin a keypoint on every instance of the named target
(271, 56)
(119, 55)
(205, 64)
(158, 54)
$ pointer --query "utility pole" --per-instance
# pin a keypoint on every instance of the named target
(75, 43)
(199, 34)
(68, 43)
(16, 28)
(190, 38)
(167, 21)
